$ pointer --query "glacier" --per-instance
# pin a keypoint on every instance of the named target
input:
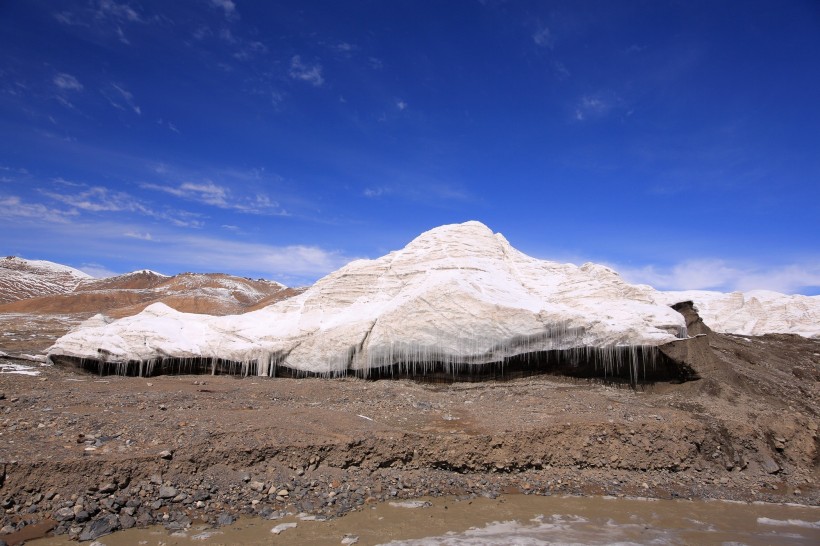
(456, 299)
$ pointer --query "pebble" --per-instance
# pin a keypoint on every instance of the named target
(166, 454)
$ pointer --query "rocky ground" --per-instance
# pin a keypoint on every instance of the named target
(86, 455)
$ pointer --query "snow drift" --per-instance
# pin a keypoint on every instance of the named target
(457, 298)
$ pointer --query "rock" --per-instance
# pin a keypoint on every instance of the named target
(103, 526)
(201, 495)
(167, 492)
(126, 521)
(256, 486)
(350, 539)
(282, 493)
(156, 479)
(82, 516)
(166, 454)
(769, 465)
(107, 488)
(225, 519)
(283, 527)
(63, 514)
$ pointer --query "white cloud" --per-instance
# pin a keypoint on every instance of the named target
(227, 6)
(14, 207)
(543, 37)
(68, 82)
(97, 271)
(210, 193)
(141, 235)
(120, 93)
(715, 274)
(591, 107)
(115, 10)
(401, 105)
(374, 192)
(308, 73)
(98, 199)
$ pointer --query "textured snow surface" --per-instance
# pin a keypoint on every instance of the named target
(457, 294)
(752, 313)
(21, 278)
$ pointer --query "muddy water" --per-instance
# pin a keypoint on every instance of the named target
(509, 520)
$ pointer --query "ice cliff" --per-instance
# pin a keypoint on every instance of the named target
(456, 297)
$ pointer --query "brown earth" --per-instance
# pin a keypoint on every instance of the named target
(79, 451)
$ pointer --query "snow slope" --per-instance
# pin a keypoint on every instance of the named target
(458, 295)
(752, 313)
(21, 278)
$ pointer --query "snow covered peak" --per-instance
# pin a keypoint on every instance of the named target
(22, 279)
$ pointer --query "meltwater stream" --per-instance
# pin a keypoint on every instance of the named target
(512, 520)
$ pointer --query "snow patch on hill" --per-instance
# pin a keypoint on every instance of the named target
(21, 278)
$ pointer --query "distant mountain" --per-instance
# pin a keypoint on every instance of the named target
(128, 294)
(21, 278)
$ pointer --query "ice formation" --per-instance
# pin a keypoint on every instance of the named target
(455, 299)
(752, 313)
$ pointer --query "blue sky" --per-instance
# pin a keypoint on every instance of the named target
(678, 142)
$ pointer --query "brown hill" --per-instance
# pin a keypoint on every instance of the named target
(124, 295)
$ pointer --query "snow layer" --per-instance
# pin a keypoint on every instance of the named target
(456, 295)
(752, 313)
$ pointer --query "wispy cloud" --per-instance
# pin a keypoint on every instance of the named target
(227, 6)
(543, 37)
(117, 94)
(117, 10)
(14, 207)
(67, 82)
(141, 235)
(308, 73)
(98, 199)
(717, 274)
(210, 193)
(105, 17)
(374, 192)
(401, 105)
(591, 107)
(168, 124)
(97, 271)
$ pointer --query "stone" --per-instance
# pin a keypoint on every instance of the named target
(167, 492)
(63, 514)
(126, 521)
(201, 495)
(256, 486)
(769, 465)
(103, 526)
(107, 488)
(225, 519)
(166, 454)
